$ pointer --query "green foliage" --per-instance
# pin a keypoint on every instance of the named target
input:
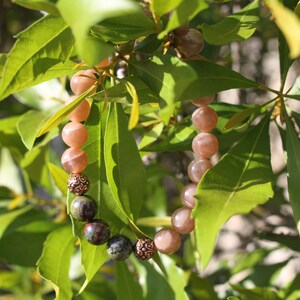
(29, 63)
(54, 263)
(140, 133)
(236, 27)
(240, 181)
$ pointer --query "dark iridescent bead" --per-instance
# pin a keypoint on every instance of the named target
(119, 247)
(97, 232)
(83, 208)
(144, 248)
(78, 184)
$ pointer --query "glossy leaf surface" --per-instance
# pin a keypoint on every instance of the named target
(25, 68)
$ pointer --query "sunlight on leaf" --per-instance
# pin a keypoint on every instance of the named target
(134, 115)
(236, 27)
(25, 68)
(289, 23)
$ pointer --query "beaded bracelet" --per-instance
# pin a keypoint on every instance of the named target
(74, 160)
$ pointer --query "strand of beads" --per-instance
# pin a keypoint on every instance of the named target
(204, 146)
(74, 160)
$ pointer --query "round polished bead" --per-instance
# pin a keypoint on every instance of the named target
(167, 241)
(144, 248)
(97, 232)
(205, 119)
(81, 112)
(74, 160)
(74, 134)
(191, 43)
(119, 247)
(205, 145)
(182, 221)
(187, 195)
(205, 100)
(78, 184)
(83, 208)
(197, 168)
(82, 81)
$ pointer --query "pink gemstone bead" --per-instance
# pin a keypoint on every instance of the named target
(81, 112)
(205, 145)
(204, 119)
(82, 81)
(197, 168)
(187, 195)
(205, 100)
(182, 221)
(74, 134)
(74, 160)
(167, 241)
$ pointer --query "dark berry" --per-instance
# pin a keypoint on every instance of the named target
(97, 232)
(144, 248)
(191, 43)
(83, 208)
(119, 247)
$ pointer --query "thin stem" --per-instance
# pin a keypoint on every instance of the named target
(266, 88)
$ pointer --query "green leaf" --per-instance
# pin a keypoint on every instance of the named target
(162, 7)
(124, 28)
(289, 24)
(134, 115)
(293, 168)
(126, 283)
(81, 16)
(40, 53)
(236, 27)
(119, 93)
(184, 13)
(241, 180)
(35, 164)
(22, 242)
(151, 136)
(60, 115)
(44, 5)
(99, 289)
(285, 61)
(29, 125)
(290, 241)
(93, 257)
(173, 80)
(9, 217)
(55, 261)
(9, 279)
(249, 260)
(239, 117)
(179, 138)
(258, 293)
(22, 248)
(201, 288)
(176, 277)
(3, 58)
(59, 176)
(124, 168)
